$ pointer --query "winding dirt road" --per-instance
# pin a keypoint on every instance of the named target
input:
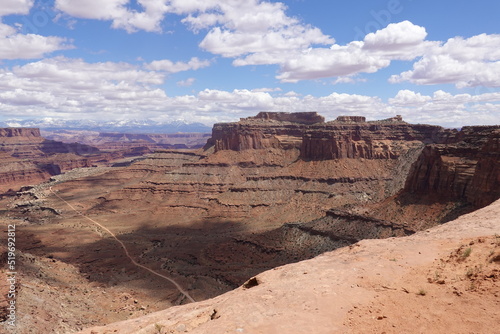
(181, 290)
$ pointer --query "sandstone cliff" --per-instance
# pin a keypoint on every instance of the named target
(20, 132)
(30, 158)
(452, 165)
(347, 137)
(466, 168)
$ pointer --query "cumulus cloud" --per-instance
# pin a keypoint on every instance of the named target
(73, 89)
(65, 86)
(464, 62)
(448, 109)
(10, 7)
(174, 67)
(259, 32)
(242, 27)
(395, 36)
(269, 90)
(409, 98)
(400, 41)
(149, 19)
(14, 45)
(334, 62)
(186, 83)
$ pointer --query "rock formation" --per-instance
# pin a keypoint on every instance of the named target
(297, 117)
(466, 168)
(347, 137)
(264, 192)
(112, 141)
(351, 119)
(28, 157)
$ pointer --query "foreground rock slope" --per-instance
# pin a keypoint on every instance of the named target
(425, 283)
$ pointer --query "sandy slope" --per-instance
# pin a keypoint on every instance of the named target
(427, 283)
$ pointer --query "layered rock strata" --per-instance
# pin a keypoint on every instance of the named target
(259, 195)
(112, 141)
(466, 168)
(28, 157)
(347, 137)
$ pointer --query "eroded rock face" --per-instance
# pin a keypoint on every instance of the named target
(28, 157)
(19, 132)
(351, 119)
(347, 137)
(296, 117)
(466, 168)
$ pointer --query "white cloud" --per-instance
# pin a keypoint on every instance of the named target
(169, 66)
(149, 19)
(259, 32)
(447, 109)
(74, 89)
(186, 83)
(10, 7)
(337, 61)
(409, 98)
(395, 36)
(62, 86)
(77, 71)
(242, 27)
(93, 9)
(292, 94)
(468, 62)
(14, 45)
(267, 90)
(399, 41)
(18, 46)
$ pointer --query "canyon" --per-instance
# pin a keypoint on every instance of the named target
(32, 156)
(27, 157)
(121, 141)
(262, 193)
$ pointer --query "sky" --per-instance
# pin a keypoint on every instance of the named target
(433, 62)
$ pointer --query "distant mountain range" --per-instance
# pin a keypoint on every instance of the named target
(122, 126)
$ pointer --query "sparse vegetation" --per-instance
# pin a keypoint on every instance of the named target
(159, 328)
(466, 253)
(421, 292)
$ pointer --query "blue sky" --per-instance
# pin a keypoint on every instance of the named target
(208, 61)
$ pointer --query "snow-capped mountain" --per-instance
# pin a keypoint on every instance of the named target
(123, 126)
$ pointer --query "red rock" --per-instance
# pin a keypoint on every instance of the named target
(467, 167)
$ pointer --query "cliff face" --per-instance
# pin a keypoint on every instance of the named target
(466, 168)
(30, 158)
(347, 137)
(258, 135)
(296, 117)
(446, 164)
(19, 132)
(368, 140)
